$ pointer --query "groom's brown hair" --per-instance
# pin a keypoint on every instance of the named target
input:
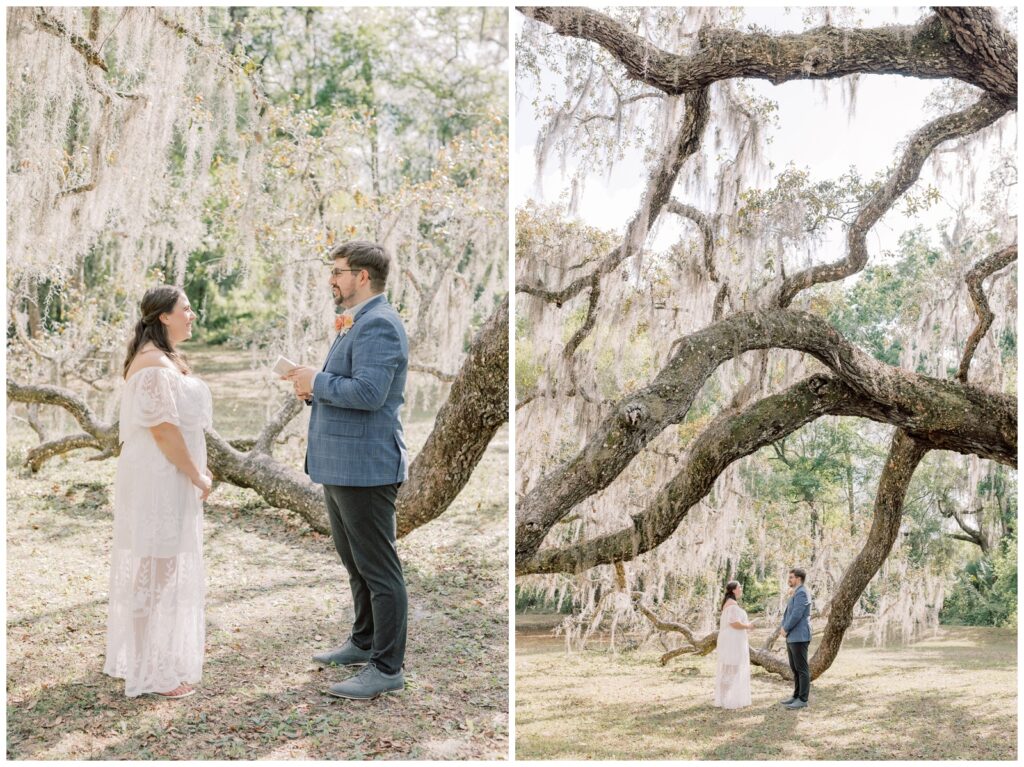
(799, 574)
(370, 256)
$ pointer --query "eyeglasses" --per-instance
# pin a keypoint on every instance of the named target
(339, 272)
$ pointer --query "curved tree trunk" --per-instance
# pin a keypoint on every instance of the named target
(476, 408)
(905, 453)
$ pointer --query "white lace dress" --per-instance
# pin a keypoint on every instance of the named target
(732, 676)
(155, 625)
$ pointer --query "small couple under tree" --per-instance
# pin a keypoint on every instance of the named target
(732, 674)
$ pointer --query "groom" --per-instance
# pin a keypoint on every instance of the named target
(356, 451)
(796, 627)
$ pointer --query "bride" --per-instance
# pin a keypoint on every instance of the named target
(732, 677)
(155, 625)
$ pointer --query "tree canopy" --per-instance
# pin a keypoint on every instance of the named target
(688, 408)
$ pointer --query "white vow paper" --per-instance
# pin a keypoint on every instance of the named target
(283, 365)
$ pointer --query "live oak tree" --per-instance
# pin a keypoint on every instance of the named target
(217, 147)
(653, 376)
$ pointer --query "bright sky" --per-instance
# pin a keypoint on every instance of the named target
(812, 132)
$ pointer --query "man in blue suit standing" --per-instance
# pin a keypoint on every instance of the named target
(796, 627)
(356, 450)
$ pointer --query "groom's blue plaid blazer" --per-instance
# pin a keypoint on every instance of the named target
(797, 619)
(355, 437)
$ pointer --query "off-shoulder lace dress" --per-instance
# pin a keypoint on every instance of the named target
(732, 677)
(155, 624)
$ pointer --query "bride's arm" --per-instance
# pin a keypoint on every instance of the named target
(168, 438)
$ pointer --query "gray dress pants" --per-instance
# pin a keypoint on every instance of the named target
(363, 528)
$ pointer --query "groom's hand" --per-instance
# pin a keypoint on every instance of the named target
(302, 379)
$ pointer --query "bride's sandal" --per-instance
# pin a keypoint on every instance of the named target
(181, 691)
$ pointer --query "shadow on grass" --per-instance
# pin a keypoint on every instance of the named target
(261, 693)
(77, 507)
(262, 697)
(948, 696)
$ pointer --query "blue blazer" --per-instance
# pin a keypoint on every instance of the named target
(796, 621)
(355, 437)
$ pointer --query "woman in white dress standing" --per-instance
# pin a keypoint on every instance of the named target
(156, 625)
(732, 677)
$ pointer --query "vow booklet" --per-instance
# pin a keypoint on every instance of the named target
(283, 365)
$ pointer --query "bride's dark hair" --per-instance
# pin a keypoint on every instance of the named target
(156, 301)
(730, 588)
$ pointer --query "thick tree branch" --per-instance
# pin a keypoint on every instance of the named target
(279, 485)
(40, 454)
(54, 395)
(990, 52)
(923, 50)
(729, 437)
(983, 113)
(476, 407)
(984, 268)
(905, 453)
(942, 414)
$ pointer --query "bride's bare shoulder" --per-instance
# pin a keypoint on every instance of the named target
(149, 357)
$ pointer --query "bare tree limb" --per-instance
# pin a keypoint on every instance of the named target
(970, 535)
(662, 180)
(698, 645)
(49, 24)
(290, 407)
(53, 395)
(476, 407)
(437, 373)
(983, 113)
(706, 231)
(984, 268)
(588, 323)
(621, 102)
(40, 454)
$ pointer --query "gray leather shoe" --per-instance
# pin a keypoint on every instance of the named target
(346, 655)
(367, 684)
(797, 704)
(787, 701)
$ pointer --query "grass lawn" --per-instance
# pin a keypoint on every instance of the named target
(949, 696)
(276, 593)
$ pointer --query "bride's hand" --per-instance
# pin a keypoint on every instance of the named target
(205, 484)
